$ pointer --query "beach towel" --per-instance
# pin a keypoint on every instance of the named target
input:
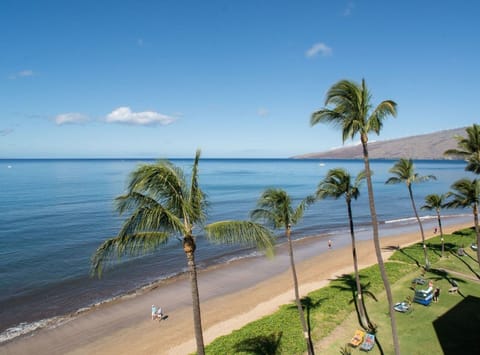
(357, 338)
(368, 343)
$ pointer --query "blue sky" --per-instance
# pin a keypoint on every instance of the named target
(234, 78)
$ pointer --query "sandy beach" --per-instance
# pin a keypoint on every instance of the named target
(232, 295)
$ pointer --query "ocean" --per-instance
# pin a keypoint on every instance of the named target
(55, 213)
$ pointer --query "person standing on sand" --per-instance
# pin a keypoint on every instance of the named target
(329, 244)
(154, 312)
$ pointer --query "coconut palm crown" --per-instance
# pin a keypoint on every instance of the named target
(468, 148)
(466, 193)
(163, 204)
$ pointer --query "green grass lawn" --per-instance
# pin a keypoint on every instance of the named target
(442, 327)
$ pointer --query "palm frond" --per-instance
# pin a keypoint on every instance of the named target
(133, 245)
(146, 219)
(197, 198)
(241, 232)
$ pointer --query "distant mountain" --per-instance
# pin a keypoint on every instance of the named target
(425, 146)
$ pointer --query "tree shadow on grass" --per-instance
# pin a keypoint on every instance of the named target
(404, 252)
(261, 345)
(465, 263)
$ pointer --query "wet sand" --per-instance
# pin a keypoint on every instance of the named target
(232, 295)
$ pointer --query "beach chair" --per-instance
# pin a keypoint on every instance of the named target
(357, 338)
(368, 342)
(453, 289)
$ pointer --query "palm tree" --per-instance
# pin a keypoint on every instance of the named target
(468, 148)
(162, 204)
(336, 184)
(436, 202)
(274, 207)
(467, 194)
(352, 111)
(404, 171)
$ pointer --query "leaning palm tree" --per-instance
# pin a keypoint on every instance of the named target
(404, 171)
(436, 202)
(466, 193)
(468, 148)
(162, 203)
(352, 111)
(336, 184)
(274, 207)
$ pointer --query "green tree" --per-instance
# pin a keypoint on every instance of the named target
(274, 207)
(404, 171)
(336, 184)
(466, 193)
(435, 202)
(162, 203)
(468, 148)
(349, 106)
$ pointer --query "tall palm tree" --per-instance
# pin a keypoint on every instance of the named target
(436, 202)
(352, 111)
(468, 148)
(274, 207)
(336, 184)
(404, 171)
(162, 203)
(466, 193)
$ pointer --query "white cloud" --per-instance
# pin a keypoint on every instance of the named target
(349, 9)
(71, 117)
(318, 48)
(22, 74)
(6, 131)
(126, 115)
(262, 112)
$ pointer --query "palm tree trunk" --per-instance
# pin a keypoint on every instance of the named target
(376, 242)
(477, 229)
(306, 332)
(360, 303)
(189, 248)
(441, 230)
(427, 266)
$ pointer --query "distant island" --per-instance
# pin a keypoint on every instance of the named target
(425, 146)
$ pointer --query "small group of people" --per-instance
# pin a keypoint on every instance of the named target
(157, 313)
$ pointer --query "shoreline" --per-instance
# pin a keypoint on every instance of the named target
(232, 295)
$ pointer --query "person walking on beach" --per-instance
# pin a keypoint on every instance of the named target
(154, 312)
(329, 244)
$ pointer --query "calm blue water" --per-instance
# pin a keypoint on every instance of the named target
(55, 213)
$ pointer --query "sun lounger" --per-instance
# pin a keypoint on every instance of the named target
(368, 343)
(453, 289)
(357, 338)
(401, 307)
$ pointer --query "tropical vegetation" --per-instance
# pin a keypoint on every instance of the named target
(468, 148)
(466, 194)
(274, 207)
(163, 204)
(349, 106)
(338, 183)
(435, 202)
(404, 172)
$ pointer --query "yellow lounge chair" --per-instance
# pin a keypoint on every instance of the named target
(357, 338)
